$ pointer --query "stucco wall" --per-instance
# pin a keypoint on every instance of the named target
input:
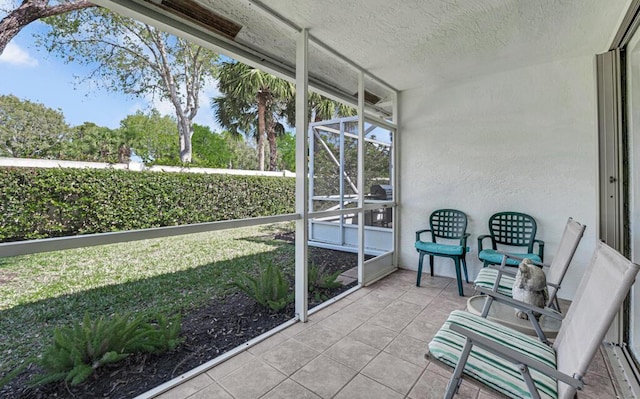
(520, 140)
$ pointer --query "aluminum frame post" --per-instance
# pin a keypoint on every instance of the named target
(302, 176)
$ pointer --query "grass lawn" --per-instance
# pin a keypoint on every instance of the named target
(168, 275)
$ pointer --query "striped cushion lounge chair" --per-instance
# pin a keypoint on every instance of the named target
(520, 366)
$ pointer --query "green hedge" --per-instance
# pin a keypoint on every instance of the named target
(40, 203)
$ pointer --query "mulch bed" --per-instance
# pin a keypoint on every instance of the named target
(222, 325)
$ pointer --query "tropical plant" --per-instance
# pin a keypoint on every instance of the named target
(318, 277)
(30, 130)
(76, 352)
(135, 59)
(270, 289)
(320, 108)
(253, 102)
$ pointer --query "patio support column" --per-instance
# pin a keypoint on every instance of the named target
(302, 179)
(361, 177)
(395, 182)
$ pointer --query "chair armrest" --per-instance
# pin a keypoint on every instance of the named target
(463, 242)
(420, 232)
(520, 305)
(519, 258)
(493, 295)
(553, 285)
(514, 356)
(481, 239)
(540, 248)
(511, 271)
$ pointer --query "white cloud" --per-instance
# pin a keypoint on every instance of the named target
(15, 55)
(137, 107)
(7, 5)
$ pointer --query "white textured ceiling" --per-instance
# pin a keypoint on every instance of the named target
(405, 43)
(416, 43)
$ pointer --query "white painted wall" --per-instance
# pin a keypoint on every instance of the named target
(133, 166)
(519, 140)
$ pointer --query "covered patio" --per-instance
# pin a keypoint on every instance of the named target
(370, 344)
(493, 106)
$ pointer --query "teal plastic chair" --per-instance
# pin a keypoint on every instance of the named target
(447, 224)
(513, 229)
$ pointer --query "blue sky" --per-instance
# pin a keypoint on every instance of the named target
(30, 73)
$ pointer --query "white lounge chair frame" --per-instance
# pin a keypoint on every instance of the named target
(571, 236)
(602, 290)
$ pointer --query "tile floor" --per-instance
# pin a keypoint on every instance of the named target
(370, 344)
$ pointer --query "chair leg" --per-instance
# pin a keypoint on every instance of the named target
(458, 276)
(431, 264)
(464, 266)
(420, 259)
(456, 378)
(556, 304)
(487, 305)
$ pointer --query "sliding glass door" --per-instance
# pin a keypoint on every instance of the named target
(632, 54)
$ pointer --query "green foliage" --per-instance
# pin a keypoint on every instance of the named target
(153, 137)
(319, 278)
(76, 352)
(243, 155)
(41, 203)
(287, 152)
(93, 143)
(270, 288)
(222, 150)
(322, 108)
(29, 130)
(210, 149)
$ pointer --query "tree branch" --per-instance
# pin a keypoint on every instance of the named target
(32, 10)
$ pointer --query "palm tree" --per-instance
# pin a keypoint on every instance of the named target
(251, 97)
(322, 108)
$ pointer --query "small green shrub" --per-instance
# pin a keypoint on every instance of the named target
(76, 352)
(319, 278)
(270, 288)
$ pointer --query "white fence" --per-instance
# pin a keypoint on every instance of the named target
(134, 166)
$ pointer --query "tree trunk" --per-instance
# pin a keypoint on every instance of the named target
(124, 153)
(273, 148)
(32, 10)
(262, 106)
(185, 132)
(185, 116)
